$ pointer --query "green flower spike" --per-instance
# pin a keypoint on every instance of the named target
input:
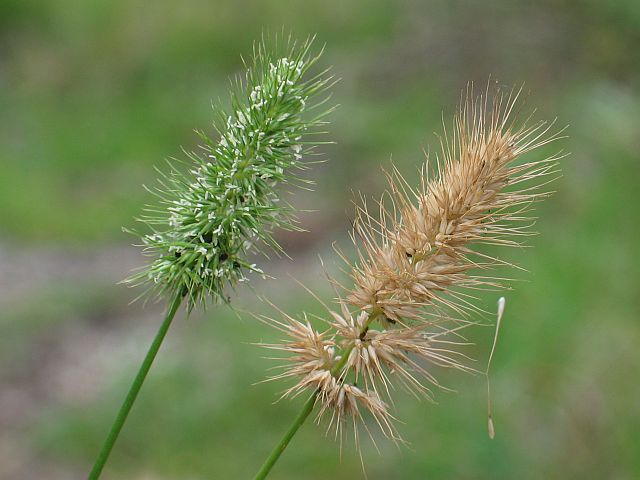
(216, 212)
(227, 205)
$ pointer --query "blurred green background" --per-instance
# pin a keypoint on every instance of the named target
(93, 94)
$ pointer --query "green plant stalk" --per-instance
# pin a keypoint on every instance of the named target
(284, 441)
(304, 413)
(134, 390)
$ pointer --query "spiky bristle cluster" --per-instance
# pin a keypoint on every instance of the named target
(407, 307)
(227, 204)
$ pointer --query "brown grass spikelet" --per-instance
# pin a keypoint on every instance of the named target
(422, 246)
(311, 354)
(312, 361)
(412, 294)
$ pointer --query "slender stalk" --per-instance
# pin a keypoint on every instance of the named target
(304, 413)
(284, 441)
(134, 389)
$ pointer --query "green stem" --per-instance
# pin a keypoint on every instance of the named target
(133, 391)
(306, 410)
(284, 441)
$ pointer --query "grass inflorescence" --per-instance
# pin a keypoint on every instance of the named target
(418, 268)
(212, 216)
(221, 204)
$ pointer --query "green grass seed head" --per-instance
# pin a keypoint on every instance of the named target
(224, 207)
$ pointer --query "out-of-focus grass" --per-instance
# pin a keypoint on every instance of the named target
(95, 93)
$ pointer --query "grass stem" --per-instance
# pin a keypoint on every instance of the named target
(134, 390)
(284, 441)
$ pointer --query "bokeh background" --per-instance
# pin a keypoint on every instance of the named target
(94, 94)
